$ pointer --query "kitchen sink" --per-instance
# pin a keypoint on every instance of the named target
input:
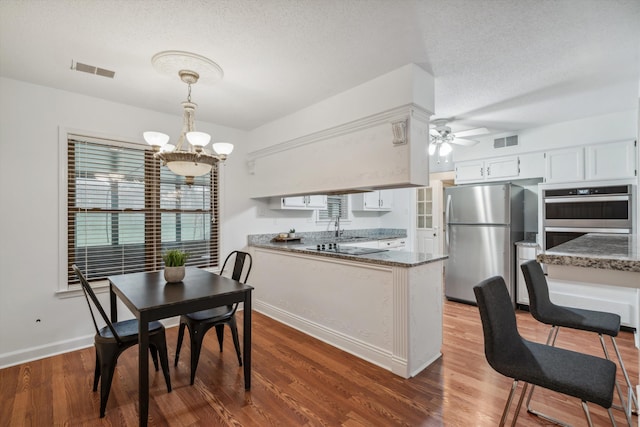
(347, 250)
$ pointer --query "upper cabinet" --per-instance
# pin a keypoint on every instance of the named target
(596, 162)
(612, 160)
(379, 200)
(497, 169)
(564, 165)
(299, 202)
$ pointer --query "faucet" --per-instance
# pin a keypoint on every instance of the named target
(337, 226)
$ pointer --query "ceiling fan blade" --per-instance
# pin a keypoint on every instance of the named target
(472, 132)
(464, 142)
(434, 132)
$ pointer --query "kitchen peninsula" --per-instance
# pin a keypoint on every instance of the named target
(612, 260)
(384, 307)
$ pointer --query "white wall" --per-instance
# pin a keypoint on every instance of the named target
(609, 127)
(29, 203)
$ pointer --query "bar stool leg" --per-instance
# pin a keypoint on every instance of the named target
(625, 406)
(626, 378)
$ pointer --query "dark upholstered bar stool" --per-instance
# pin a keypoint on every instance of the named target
(589, 378)
(557, 316)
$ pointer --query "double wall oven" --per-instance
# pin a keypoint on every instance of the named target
(570, 212)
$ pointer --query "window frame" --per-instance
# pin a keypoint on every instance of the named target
(64, 289)
(347, 220)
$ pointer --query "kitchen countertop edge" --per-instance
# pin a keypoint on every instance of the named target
(388, 258)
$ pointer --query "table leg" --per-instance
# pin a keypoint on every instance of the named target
(247, 340)
(143, 370)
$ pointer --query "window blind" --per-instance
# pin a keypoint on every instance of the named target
(336, 206)
(125, 210)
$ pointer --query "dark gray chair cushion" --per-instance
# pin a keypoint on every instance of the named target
(586, 377)
(543, 310)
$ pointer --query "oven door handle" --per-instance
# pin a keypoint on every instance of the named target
(588, 230)
(591, 199)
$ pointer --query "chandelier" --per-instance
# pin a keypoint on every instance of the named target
(188, 157)
(441, 144)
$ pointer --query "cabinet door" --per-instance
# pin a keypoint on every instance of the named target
(385, 200)
(372, 200)
(502, 168)
(317, 202)
(611, 161)
(294, 202)
(472, 171)
(564, 165)
(531, 165)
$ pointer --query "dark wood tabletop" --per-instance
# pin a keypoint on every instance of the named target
(150, 297)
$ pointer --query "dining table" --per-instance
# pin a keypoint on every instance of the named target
(149, 297)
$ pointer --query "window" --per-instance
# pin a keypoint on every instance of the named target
(124, 211)
(336, 206)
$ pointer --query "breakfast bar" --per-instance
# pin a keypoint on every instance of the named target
(384, 307)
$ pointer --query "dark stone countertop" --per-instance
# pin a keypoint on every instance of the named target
(604, 251)
(388, 257)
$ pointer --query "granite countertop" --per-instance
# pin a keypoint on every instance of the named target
(528, 244)
(604, 251)
(388, 257)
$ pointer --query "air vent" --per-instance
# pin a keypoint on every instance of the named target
(507, 141)
(78, 66)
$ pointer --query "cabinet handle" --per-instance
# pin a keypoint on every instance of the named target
(481, 172)
(488, 171)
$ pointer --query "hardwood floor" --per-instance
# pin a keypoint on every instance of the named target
(298, 380)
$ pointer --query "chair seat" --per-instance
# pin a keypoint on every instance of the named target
(128, 329)
(586, 377)
(213, 314)
(576, 318)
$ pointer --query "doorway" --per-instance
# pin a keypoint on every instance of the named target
(430, 224)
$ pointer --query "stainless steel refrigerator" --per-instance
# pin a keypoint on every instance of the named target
(483, 222)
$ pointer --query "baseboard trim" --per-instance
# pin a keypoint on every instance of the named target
(43, 351)
(359, 348)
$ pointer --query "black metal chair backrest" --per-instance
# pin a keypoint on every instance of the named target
(241, 258)
(89, 294)
(502, 341)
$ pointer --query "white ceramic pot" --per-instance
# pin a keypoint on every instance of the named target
(174, 274)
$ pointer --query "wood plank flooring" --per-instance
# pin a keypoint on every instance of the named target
(297, 381)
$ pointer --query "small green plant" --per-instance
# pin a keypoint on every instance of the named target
(293, 230)
(175, 258)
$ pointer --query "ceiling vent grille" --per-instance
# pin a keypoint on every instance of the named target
(507, 141)
(78, 66)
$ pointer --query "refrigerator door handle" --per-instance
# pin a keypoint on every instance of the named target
(446, 221)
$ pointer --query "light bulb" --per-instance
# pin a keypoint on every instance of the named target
(445, 148)
(156, 139)
(223, 148)
(432, 149)
(199, 139)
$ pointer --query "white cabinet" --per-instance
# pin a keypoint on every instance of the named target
(496, 169)
(299, 202)
(564, 165)
(379, 200)
(597, 162)
(531, 165)
(610, 161)
(393, 244)
(525, 253)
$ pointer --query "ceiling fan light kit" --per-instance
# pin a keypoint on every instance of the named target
(188, 157)
(441, 137)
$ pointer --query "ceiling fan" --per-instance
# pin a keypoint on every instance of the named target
(442, 137)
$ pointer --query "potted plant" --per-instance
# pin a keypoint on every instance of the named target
(292, 233)
(174, 261)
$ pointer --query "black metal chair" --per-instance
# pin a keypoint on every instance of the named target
(114, 338)
(200, 322)
(589, 378)
(600, 322)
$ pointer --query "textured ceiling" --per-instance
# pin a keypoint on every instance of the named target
(506, 65)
